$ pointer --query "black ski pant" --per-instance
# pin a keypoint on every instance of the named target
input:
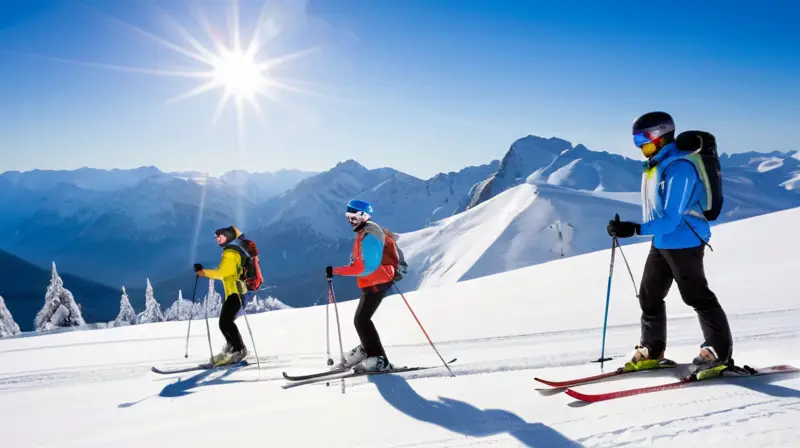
(227, 326)
(371, 298)
(685, 266)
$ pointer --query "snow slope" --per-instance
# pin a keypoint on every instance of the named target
(94, 388)
(525, 225)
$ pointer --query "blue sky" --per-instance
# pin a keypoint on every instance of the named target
(422, 86)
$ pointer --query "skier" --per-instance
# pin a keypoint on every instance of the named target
(374, 263)
(229, 272)
(671, 196)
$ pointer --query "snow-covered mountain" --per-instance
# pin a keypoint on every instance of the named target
(525, 225)
(781, 168)
(525, 156)
(752, 182)
(155, 224)
(305, 229)
(259, 187)
(91, 179)
(119, 226)
(543, 321)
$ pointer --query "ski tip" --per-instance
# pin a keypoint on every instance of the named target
(546, 382)
(580, 396)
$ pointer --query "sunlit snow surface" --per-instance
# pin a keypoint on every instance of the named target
(95, 388)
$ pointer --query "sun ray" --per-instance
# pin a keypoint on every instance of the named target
(236, 65)
(202, 19)
(256, 41)
(200, 48)
(277, 62)
(234, 26)
(196, 91)
(122, 68)
(275, 83)
(223, 100)
(159, 40)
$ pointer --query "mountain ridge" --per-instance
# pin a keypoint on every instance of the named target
(159, 225)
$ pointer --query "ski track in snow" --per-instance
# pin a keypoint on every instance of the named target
(479, 348)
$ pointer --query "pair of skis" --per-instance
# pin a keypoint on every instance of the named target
(735, 372)
(343, 373)
(203, 366)
(297, 380)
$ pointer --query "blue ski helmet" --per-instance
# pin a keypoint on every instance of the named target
(356, 205)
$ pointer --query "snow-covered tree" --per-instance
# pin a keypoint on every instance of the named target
(60, 309)
(182, 309)
(258, 305)
(127, 315)
(7, 325)
(152, 312)
(213, 300)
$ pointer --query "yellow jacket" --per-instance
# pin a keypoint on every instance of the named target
(229, 270)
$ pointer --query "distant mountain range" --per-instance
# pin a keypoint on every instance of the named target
(119, 227)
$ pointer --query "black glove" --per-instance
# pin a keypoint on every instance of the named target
(329, 271)
(198, 267)
(622, 229)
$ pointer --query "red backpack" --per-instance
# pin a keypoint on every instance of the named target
(251, 270)
(392, 254)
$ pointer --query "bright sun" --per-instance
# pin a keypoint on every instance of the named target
(238, 74)
(235, 67)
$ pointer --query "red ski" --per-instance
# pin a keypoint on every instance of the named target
(594, 378)
(592, 398)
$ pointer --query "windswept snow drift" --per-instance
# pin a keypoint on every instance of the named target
(94, 388)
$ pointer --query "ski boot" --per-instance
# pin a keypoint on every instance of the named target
(707, 364)
(641, 360)
(228, 356)
(374, 364)
(352, 358)
(222, 357)
(238, 355)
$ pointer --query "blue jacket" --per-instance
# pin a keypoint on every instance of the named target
(671, 188)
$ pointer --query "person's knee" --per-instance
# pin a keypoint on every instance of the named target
(650, 306)
(697, 295)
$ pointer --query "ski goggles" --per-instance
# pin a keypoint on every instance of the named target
(647, 142)
(356, 218)
(642, 138)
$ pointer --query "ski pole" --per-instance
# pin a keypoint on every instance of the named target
(208, 327)
(635, 289)
(191, 315)
(328, 331)
(602, 358)
(422, 328)
(332, 297)
(252, 339)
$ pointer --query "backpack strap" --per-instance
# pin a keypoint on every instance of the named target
(238, 246)
(692, 211)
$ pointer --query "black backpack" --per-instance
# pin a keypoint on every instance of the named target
(703, 148)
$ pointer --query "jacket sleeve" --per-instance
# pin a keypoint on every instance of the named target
(370, 257)
(227, 266)
(679, 189)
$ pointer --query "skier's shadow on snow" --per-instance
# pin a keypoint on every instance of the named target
(188, 386)
(464, 418)
(763, 384)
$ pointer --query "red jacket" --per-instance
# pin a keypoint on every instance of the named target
(373, 259)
